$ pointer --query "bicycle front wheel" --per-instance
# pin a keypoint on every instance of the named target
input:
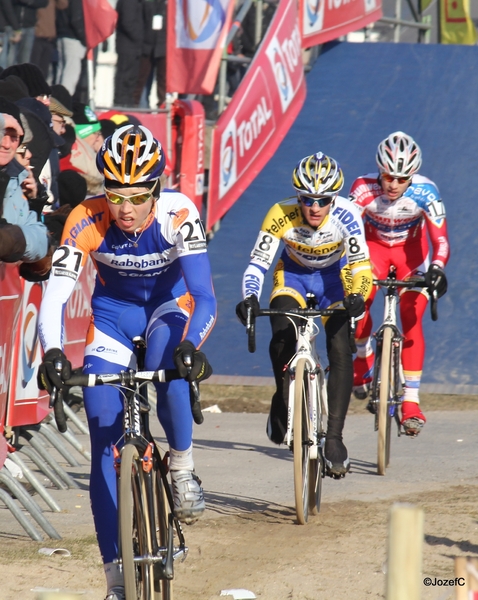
(384, 416)
(135, 528)
(301, 440)
(316, 465)
(164, 540)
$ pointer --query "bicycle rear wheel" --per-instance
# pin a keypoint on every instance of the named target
(384, 416)
(135, 527)
(301, 439)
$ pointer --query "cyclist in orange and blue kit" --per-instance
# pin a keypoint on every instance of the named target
(153, 280)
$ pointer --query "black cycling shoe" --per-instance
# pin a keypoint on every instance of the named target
(337, 462)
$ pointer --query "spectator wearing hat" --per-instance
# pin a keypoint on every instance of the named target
(26, 12)
(33, 153)
(88, 138)
(87, 126)
(44, 45)
(29, 241)
(59, 110)
(32, 77)
(71, 42)
(129, 38)
(12, 88)
(51, 169)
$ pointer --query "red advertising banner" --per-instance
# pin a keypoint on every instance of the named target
(325, 20)
(196, 36)
(26, 404)
(10, 302)
(261, 112)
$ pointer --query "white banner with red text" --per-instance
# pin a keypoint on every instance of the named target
(325, 20)
(261, 112)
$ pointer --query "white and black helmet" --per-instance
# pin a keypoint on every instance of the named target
(399, 155)
(318, 175)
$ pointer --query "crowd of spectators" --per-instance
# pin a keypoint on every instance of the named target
(51, 35)
(48, 146)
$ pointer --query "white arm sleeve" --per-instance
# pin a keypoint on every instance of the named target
(66, 268)
(262, 256)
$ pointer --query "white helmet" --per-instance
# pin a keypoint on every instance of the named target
(399, 155)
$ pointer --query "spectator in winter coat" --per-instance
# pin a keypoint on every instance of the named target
(8, 25)
(21, 49)
(28, 241)
(70, 28)
(153, 51)
(129, 37)
(44, 44)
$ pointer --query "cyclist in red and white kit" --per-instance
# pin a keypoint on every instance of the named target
(400, 208)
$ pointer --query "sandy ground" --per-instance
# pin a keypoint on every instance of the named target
(340, 554)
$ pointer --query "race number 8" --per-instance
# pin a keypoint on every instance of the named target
(354, 246)
(265, 245)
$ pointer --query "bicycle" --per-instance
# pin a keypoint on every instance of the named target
(147, 525)
(307, 403)
(386, 390)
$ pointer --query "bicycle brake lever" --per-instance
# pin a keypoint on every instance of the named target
(54, 392)
(193, 392)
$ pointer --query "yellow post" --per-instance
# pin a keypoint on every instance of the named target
(405, 543)
(466, 574)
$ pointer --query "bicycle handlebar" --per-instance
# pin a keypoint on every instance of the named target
(393, 284)
(125, 378)
(295, 312)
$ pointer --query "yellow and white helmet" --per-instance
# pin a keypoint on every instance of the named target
(318, 175)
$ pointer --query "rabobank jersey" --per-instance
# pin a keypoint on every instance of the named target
(166, 259)
(341, 234)
(405, 219)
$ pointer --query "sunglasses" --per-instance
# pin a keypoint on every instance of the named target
(22, 150)
(311, 200)
(389, 178)
(136, 200)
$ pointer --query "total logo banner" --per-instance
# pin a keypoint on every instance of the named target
(324, 20)
(261, 112)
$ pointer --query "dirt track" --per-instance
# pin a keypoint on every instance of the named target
(340, 554)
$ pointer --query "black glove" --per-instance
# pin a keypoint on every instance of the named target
(435, 279)
(355, 305)
(48, 378)
(199, 368)
(241, 309)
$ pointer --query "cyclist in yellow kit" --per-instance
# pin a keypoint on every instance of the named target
(324, 253)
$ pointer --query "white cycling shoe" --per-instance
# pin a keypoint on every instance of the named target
(188, 496)
(116, 593)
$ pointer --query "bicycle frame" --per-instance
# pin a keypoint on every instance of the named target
(306, 332)
(391, 301)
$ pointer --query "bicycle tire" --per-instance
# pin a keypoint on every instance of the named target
(301, 442)
(384, 417)
(316, 469)
(135, 527)
(164, 538)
